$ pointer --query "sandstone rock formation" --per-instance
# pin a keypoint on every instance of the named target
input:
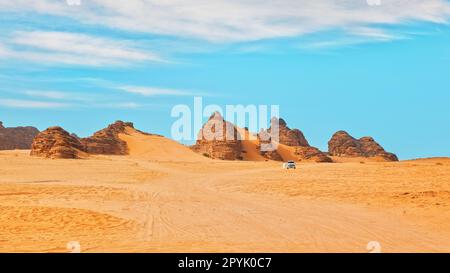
(107, 141)
(288, 136)
(17, 137)
(55, 142)
(301, 151)
(266, 148)
(311, 154)
(291, 137)
(343, 144)
(219, 139)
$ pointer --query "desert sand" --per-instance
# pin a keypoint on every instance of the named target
(165, 198)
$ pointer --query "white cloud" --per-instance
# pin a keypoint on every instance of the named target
(47, 94)
(72, 49)
(239, 20)
(61, 95)
(123, 105)
(14, 103)
(375, 33)
(33, 104)
(360, 35)
(153, 91)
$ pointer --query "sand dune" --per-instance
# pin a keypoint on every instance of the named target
(340, 159)
(437, 160)
(159, 148)
(287, 153)
(250, 145)
(50, 227)
(152, 202)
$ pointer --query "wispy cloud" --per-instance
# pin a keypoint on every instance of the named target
(15, 103)
(109, 98)
(121, 105)
(73, 49)
(47, 94)
(35, 104)
(61, 95)
(154, 91)
(238, 20)
(374, 33)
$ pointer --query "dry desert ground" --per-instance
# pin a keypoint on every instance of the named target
(164, 198)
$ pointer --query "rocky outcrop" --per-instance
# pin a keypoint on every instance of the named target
(311, 154)
(19, 138)
(372, 149)
(107, 141)
(219, 139)
(344, 145)
(266, 148)
(292, 138)
(288, 136)
(299, 147)
(55, 142)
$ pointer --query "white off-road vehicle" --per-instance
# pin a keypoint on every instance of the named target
(289, 165)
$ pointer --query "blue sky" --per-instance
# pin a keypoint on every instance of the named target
(381, 70)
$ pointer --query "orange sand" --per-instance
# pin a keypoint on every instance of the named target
(165, 198)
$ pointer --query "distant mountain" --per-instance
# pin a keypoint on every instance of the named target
(107, 141)
(292, 145)
(17, 137)
(55, 142)
(344, 145)
(219, 139)
(119, 138)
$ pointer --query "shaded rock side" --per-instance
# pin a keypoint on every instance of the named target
(288, 136)
(344, 145)
(55, 142)
(19, 138)
(292, 138)
(219, 139)
(311, 154)
(107, 141)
